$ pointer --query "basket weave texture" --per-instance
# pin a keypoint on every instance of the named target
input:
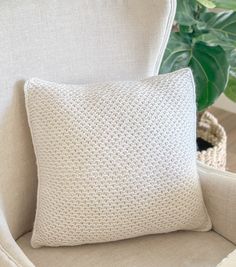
(210, 130)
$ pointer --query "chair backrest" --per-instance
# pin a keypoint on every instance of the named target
(67, 41)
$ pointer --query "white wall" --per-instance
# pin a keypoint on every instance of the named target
(224, 103)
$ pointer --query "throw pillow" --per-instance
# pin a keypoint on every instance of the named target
(115, 160)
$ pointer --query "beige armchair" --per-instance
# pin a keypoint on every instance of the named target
(85, 41)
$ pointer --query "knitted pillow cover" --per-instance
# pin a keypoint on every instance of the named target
(115, 160)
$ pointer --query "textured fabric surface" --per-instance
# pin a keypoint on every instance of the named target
(178, 249)
(229, 261)
(115, 160)
(219, 190)
(10, 253)
(66, 41)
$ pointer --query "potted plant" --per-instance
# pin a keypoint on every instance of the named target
(204, 39)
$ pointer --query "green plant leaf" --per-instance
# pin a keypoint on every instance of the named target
(230, 90)
(185, 29)
(207, 3)
(229, 47)
(213, 39)
(232, 57)
(185, 12)
(221, 30)
(222, 25)
(225, 4)
(210, 70)
(208, 63)
(177, 54)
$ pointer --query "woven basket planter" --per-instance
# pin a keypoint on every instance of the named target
(211, 131)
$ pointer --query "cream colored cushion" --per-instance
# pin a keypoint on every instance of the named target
(178, 249)
(115, 160)
(219, 190)
(229, 261)
(68, 41)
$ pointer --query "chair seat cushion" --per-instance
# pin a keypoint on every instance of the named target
(179, 249)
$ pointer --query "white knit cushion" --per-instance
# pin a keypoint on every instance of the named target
(115, 160)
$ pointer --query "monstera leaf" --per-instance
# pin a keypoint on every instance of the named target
(208, 63)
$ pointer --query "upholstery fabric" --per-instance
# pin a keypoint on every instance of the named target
(178, 249)
(115, 160)
(66, 41)
(10, 254)
(229, 261)
(220, 198)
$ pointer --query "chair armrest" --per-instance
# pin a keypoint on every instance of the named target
(219, 192)
(10, 254)
(229, 261)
